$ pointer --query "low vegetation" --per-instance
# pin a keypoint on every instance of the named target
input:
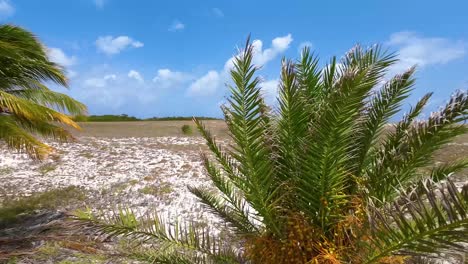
(12, 208)
(161, 189)
(125, 118)
(319, 180)
(186, 130)
(105, 118)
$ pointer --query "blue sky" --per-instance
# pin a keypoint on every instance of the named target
(166, 58)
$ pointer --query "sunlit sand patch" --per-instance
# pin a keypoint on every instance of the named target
(145, 174)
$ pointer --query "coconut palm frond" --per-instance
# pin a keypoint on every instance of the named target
(25, 109)
(433, 222)
(24, 57)
(48, 98)
(45, 129)
(189, 241)
(16, 42)
(19, 139)
(30, 104)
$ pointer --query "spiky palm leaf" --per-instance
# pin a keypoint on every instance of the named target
(180, 242)
(412, 146)
(27, 106)
(434, 222)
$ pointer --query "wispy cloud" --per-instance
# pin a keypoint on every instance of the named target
(58, 56)
(414, 49)
(217, 12)
(135, 75)
(110, 45)
(100, 82)
(6, 9)
(176, 26)
(168, 79)
(100, 3)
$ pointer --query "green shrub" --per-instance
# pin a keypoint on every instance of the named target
(186, 129)
(80, 118)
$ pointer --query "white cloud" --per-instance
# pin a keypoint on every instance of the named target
(110, 45)
(100, 3)
(261, 57)
(6, 9)
(58, 56)
(135, 75)
(100, 82)
(206, 85)
(270, 91)
(218, 12)
(176, 26)
(414, 49)
(167, 79)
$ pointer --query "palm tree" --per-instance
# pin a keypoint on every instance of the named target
(320, 179)
(27, 106)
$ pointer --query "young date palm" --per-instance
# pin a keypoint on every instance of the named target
(27, 106)
(322, 178)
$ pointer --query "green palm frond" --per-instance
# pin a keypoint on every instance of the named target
(45, 129)
(190, 242)
(48, 98)
(309, 79)
(326, 163)
(230, 205)
(227, 163)
(436, 221)
(24, 57)
(246, 128)
(292, 124)
(18, 139)
(381, 108)
(412, 146)
(30, 105)
(26, 109)
(443, 171)
(235, 217)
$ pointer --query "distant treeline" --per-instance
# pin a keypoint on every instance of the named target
(124, 117)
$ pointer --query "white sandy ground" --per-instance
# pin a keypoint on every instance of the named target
(114, 171)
